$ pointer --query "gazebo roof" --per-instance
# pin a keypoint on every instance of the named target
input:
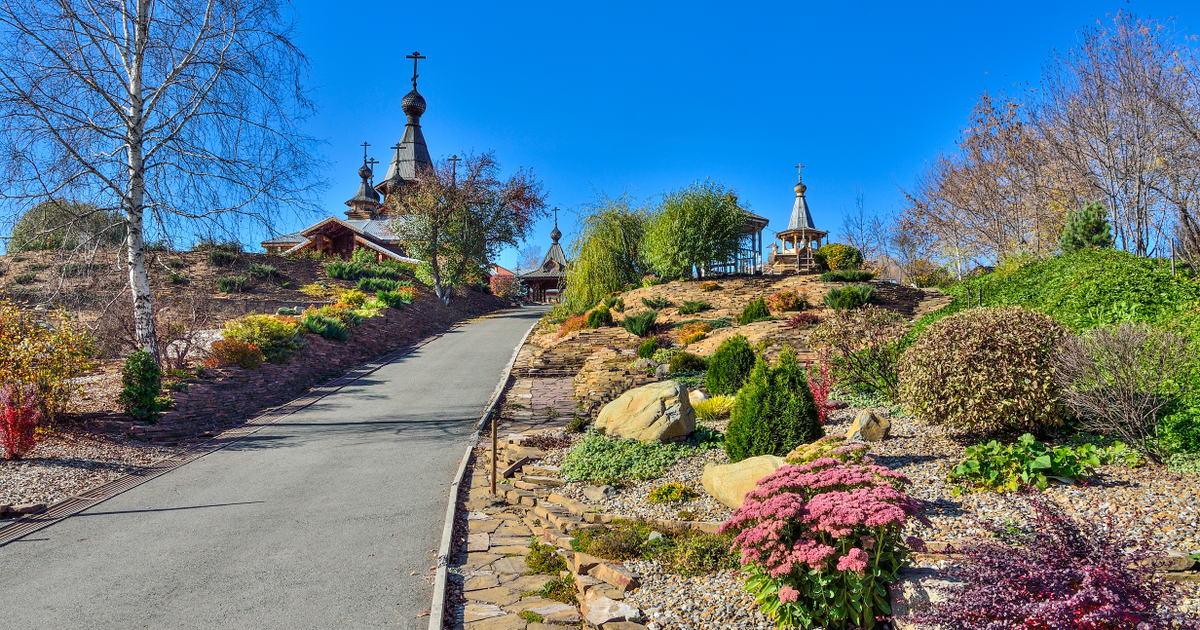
(801, 221)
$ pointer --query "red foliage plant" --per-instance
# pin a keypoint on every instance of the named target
(19, 415)
(572, 324)
(788, 301)
(803, 319)
(821, 382)
(233, 352)
(1060, 574)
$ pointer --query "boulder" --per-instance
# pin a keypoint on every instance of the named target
(662, 371)
(729, 483)
(644, 364)
(597, 494)
(696, 396)
(654, 412)
(869, 427)
(602, 610)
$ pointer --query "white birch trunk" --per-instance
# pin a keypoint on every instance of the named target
(139, 279)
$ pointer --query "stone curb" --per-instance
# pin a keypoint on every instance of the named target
(437, 609)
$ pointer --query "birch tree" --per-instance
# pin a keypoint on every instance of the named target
(168, 113)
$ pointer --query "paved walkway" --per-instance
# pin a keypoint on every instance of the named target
(328, 519)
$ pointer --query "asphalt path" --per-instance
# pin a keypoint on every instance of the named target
(329, 518)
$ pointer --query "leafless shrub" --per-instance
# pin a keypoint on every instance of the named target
(1117, 379)
(177, 324)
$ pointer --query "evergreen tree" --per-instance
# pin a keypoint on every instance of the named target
(1086, 228)
(729, 366)
(774, 412)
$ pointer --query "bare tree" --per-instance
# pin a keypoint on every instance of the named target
(529, 257)
(167, 112)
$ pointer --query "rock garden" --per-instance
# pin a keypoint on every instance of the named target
(921, 460)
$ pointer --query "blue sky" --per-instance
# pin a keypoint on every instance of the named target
(646, 97)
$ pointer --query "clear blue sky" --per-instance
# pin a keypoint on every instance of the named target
(645, 97)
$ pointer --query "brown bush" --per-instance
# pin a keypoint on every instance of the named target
(865, 346)
(176, 324)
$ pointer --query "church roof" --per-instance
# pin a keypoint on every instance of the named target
(801, 220)
(554, 263)
(411, 153)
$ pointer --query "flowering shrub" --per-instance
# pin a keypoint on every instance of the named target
(787, 301)
(709, 286)
(19, 415)
(44, 356)
(233, 352)
(1058, 574)
(695, 331)
(275, 335)
(650, 280)
(578, 322)
(821, 541)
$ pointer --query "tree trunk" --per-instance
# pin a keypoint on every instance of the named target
(139, 280)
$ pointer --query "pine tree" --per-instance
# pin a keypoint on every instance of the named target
(729, 366)
(774, 412)
(1086, 228)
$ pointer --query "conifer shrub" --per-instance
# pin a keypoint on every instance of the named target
(141, 385)
(847, 275)
(657, 303)
(849, 297)
(615, 303)
(647, 348)
(233, 352)
(373, 285)
(355, 271)
(774, 412)
(686, 363)
(709, 286)
(19, 416)
(221, 258)
(729, 366)
(1056, 573)
(641, 324)
(262, 272)
(820, 542)
(277, 336)
(232, 284)
(691, 308)
(397, 298)
(837, 257)
(1086, 228)
(756, 311)
(599, 317)
(985, 370)
(324, 325)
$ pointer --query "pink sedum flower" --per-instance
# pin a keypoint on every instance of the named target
(855, 560)
(788, 594)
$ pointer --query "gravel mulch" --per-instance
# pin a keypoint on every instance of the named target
(703, 602)
(67, 463)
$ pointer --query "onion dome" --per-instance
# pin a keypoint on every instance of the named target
(413, 104)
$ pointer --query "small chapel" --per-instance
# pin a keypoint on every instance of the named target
(366, 224)
(796, 245)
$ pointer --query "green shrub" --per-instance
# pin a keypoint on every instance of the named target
(984, 370)
(599, 317)
(691, 308)
(729, 366)
(848, 275)
(774, 412)
(560, 589)
(328, 327)
(175, 278)
(397, 298)
(25, 278)
(686, 362)
(672, 493)
(657, 303)
(74, 269)
(756, 310)
(865, 346)
(1086, 228)
(262, 272)
(141, 384)
(615, 303)
(602, 460)
(353, 271)
(641, 324)
(647, 348)
(1184, 463)
(276, 336)
(232, 284)
(213, 245)
(221, 258)
(838, 257)
(372, 285)
(849, 297)
(578, 424)
(544, 559)
(1029, 463)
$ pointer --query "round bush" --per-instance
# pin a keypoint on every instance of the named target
(600, 316)
(756, 310)
(684, 362)
(836, 256)
(141, 382)
(277, 336)
(774, 412)
(647, 348)
(983, 370)
(729, 366)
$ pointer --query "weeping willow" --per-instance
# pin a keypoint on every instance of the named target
(606, 255)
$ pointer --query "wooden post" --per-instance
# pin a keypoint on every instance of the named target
(493, 452)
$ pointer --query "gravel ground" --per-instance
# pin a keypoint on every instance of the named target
(696, 603)
(70, 463)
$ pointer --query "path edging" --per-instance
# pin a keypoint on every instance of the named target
(437, 609)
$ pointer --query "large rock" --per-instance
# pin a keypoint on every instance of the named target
(655, 412)
(602, 610)
(729, 483)
(869, 427)
(696, 396)
(914, 592)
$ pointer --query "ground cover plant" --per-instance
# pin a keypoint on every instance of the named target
(372, 285)
(849, 297)
(1057, 573)
(729, 366)
(709, 286)
(672, 493)
(1028, 463)
(693, 332)
(787, 300)
(641, 324)
(685, 551)
(656, 303)
(756, 311)
(820, 542)
(693, 307)
(604, 460)
(983, 371)
(544, 559)
(262, 272)
(832, 447)
(848, 275)
(572, 324)
(355, 271)
(864, 348)
(774, 412)
(397, 298)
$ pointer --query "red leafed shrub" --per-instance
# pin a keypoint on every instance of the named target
(233, 352)
(578, 322)
(820, 381)
(1058, 574)
(788, 301)
(19, 415)
(820, 542)
(803, 319)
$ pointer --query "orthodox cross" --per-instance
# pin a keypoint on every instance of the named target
(799, 172)
(415, 56)
(364, 146)
(371, 163)
(556, 216)
(454, 160)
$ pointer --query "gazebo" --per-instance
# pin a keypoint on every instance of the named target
(547, 281)
(799, 240)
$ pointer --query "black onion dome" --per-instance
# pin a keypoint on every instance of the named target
(364, 172)
(413, 104)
